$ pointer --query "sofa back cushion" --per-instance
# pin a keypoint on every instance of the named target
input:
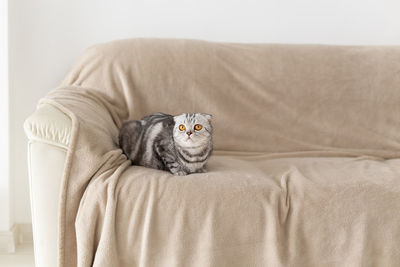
(263, 97)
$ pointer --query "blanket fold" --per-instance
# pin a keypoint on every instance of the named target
(93, 152)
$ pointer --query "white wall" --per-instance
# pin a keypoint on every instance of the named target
(48, 35)
(5, 185)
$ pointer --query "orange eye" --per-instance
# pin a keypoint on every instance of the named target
(198, 127)
(182, 127)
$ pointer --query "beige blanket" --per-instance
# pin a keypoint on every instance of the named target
(305, 171)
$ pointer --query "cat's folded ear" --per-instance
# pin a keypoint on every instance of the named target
(207, 116)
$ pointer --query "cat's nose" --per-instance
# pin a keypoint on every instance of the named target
(188, 133)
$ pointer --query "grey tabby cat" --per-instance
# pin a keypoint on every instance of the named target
(180, 144)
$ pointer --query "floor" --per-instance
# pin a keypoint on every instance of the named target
(23, 257)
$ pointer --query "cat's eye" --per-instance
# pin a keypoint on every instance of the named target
(182, 127)
(198, 127)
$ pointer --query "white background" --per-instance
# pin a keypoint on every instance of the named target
(47, 36)
(5, 183)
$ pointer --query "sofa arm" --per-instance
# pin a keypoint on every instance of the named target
(49, 125)
(48, 130)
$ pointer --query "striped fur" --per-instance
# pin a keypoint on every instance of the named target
(156, 141)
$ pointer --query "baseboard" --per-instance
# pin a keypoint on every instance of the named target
(18, 234)
(24, 233)
(8, 240)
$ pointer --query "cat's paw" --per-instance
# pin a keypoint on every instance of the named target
(202, 170)
(180, 173)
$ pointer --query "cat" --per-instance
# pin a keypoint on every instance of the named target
(179, 144)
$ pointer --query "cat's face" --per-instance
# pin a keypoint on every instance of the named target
(192, 130)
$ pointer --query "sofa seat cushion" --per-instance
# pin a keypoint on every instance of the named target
(249, 209)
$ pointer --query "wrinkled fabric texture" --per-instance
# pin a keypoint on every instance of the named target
(305, 170)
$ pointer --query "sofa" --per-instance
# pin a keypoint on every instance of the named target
(305, 169)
